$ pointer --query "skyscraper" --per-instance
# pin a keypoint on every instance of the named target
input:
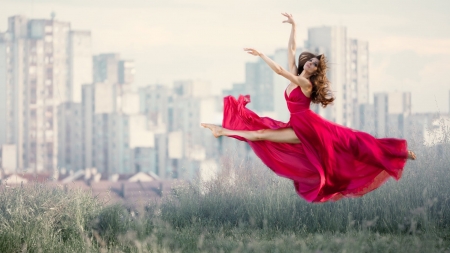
(70, 155)
(8, 99)
(154, 104)
(105, 141)
(279, 87)
(80, 63)
(126, 71)
(189, 144)
(358, 79)
(101, 121)
(390, 111)
(70, 147)
(332, 41)
(36, 77)
(106, 68)
(259, 80)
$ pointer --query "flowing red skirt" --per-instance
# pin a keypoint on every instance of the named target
(331, 162)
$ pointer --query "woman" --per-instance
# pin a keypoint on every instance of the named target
(326, 161)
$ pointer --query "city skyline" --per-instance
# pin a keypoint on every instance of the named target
(176, 40)
(65, 108)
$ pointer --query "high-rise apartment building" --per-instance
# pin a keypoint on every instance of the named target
(14, 47)
(106, 68)
(102, 128)
(70, 131)
(348, 72)
(154, 103)
(70, 156)
(105, 139)
(188, 143)
(87, 125)
(80, 63)
(279, 86)
(41, 67)
(118, 137)
(332, 41)
(8, 100)
(100, 117)
(390, 111)
(259, 78)
(366, 117)
(358, 79)
(126, 71)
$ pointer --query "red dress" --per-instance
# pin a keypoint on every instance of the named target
(331, 162)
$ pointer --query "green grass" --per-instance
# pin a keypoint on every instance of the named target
(246, 209)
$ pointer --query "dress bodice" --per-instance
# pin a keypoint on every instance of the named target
(297, 101)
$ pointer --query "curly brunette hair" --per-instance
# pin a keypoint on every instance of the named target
(321, 92)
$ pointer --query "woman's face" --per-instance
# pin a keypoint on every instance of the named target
(311, 65)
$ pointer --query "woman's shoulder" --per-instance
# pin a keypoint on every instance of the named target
(305, 82)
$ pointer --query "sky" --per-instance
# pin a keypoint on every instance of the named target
(409, 41)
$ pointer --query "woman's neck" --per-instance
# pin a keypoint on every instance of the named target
(305, 75)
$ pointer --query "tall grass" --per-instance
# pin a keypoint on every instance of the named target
(44, 218)
(245, 209)
(48, 219)
(255, 197)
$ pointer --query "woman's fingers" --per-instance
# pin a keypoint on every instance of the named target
(289, 20)
(251, 51)
(248, 50)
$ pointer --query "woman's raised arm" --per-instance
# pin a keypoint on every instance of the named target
(292, 44)
(297, 80)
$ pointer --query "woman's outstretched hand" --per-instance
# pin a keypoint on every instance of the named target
(289, 17)
(252, 51)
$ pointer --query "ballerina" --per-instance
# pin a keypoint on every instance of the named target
(326, 161)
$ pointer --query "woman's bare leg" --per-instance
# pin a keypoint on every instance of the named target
(285, 135)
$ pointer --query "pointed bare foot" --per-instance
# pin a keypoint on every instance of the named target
(411, 155)
(216, 130)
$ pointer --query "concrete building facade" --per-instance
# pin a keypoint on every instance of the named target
(358, 80)
(390, 112)
(259, 83)
(36, 76)
(332, 41)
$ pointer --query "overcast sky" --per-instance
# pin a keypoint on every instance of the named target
(409, 41)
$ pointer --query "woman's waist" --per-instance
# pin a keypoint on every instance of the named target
(299, 110)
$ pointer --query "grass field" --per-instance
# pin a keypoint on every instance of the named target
(246, 209)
